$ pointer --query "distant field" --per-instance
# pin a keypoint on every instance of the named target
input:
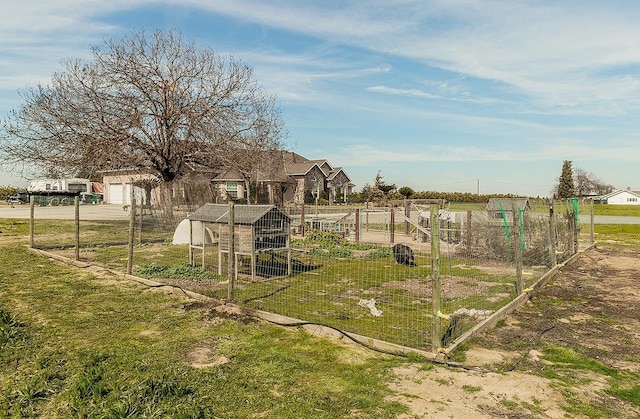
(620, 210)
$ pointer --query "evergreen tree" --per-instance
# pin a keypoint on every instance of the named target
(566, 187)
(380, 184)
(406, 192)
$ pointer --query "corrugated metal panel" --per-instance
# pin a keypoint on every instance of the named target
(244, 214)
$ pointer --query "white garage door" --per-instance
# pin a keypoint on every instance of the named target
(115, 193)
(120, 194)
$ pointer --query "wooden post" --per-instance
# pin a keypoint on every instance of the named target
(76, 205)
(140, 220)
(517, 243)
(204, 242)
(192, 259)
(392, 225)
(468, 238)
(578, 224)
(553, 257)
(132, 224)
(357, 225)
(32, 227)
(366, 223)
(231, 249)
(572, 231)
(436, 327)
(302, 225)
(289, 271)
(592, 232)
(407, 213)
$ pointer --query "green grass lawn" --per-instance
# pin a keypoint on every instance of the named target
(618, 210)
(76, 345)
(618, 235)
(344, 273)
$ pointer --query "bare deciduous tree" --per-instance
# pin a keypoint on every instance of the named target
(580, 183)
(587, 183)
(255, 151)
(152, 102)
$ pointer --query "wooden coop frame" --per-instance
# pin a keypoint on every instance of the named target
(257, 229)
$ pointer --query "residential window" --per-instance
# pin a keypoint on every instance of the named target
(232, 189)
(632, 199)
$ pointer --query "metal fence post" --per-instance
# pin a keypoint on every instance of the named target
(436, 327)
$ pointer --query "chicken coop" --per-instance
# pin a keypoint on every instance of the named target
(257, 229)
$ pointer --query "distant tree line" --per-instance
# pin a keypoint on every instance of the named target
(572, 183)
(384, 194)
(366, 196)
(7, 191)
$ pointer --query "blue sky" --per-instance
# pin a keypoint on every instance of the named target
(445, 95)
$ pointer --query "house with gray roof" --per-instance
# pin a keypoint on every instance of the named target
(286, 177)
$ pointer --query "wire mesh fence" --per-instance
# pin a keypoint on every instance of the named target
(419, 276)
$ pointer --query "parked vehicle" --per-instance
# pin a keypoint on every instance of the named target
(59, 185)
(18, 198)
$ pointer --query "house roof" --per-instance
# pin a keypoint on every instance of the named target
(618, 192)
(336, 171)
(323, 162)
(243, 214)
(228, 175)
(301, 169)
(506, 204)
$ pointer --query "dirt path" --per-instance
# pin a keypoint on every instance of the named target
(591, 307)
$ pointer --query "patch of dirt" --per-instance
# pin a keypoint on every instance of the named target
(458, 393)
(453, 287)
(591, 306)
(224, 311)
(492, 269)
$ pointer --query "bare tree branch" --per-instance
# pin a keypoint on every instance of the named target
(151, 102)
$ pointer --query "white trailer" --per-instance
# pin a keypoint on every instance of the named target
(60, 185)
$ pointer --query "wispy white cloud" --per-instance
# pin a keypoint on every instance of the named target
(565, 55)
(36, 36)
(426, 95)
(368, 155)
(570, 57)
